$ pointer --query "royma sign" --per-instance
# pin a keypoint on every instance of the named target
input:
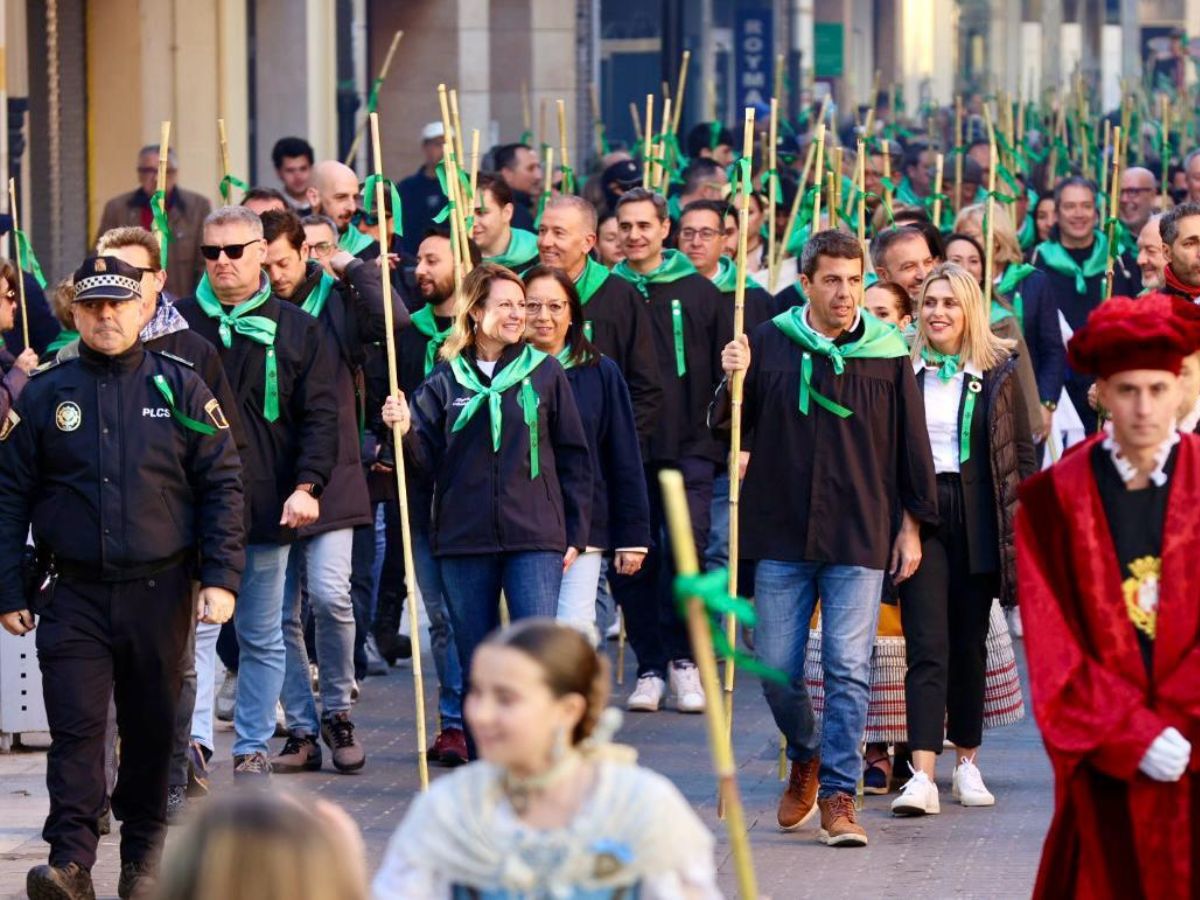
(754, 57)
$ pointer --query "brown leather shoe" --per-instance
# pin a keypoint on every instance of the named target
(69, 882)
(301, 753)
(799, 801)
(839, 822)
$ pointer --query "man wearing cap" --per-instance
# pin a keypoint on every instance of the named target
(120, 535)
(623, 175)
(283, 372)
(420, 193)
(1108, 562)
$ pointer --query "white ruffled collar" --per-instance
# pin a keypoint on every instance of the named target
(1128, 471)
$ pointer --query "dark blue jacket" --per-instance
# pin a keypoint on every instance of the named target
(1043, 335)
(485, 501)
(620, 508)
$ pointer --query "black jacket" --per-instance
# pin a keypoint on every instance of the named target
(190, 347)
(485, 501)
(621, 330)
(111, 482)
(1043, 334)
(620, 507)
(1002, 456)
(301, 445)
(823, 488)
(352, 319)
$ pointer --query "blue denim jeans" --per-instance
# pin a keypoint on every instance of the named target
(258, 619)
(364, 585)
(326, 561)
(785, 596)
(441, 633)
(206, 688)
(716, 554)
(530, 580)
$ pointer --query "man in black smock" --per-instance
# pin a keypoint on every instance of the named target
(123, 463)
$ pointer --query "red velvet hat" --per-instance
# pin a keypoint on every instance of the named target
(1152, 332)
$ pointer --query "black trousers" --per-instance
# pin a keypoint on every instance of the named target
(657, 633)
(944, 610)
(125, 639)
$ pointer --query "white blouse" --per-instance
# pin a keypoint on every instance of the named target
(942, 402)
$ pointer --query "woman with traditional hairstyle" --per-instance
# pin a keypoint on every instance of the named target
(496, 429)
(553, 809)
(982, 448)
(620, 523)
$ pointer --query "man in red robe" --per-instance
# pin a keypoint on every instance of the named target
(1108, 555)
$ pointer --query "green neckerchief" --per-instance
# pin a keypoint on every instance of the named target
(999, 312)
(1007, 287)
(176, 413)
(673, 267)
(905, 193)
(354, 241)
(425, 322)
(564, 357)
(726, 277)
(590, 280)
(948, 365)
(516, 372)
(674, 208)
(879, 341)
(259, 329)
(64, 337)
(522, 248)
(1027, 236)
(314, 303)
(1057, 259)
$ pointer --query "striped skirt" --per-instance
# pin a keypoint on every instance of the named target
(1002, 700)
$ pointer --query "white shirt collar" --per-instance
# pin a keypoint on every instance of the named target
(1128, 471)
(970, 368)
(853, 325)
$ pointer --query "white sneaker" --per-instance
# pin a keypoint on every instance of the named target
(919, 797)
(1015, 628)
(969, 789)
(614, 630)
(647, 694)
(227, 697)
(685, 686)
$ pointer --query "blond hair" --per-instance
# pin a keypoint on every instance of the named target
(258, 845)
(476, 288)
(1007, 247)
(131, 236)
(60, 303)
(980, 346)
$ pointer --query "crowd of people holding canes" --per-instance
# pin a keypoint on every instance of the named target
(670, 445)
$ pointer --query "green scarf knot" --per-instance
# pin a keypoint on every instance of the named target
(176, 413)
(1057, 259)
(673, 267)
(947, 364)
(590, 280)
(521, 250)
(259, 329)
(425, 322)
(516, 372)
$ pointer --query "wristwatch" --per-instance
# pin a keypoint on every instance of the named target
(310, 488)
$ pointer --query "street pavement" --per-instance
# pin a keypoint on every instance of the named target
(962, 853)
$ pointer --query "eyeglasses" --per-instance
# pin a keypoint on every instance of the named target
(554, 307)
(704, 234)
(212, 252)
(321, 248)
(10, 295)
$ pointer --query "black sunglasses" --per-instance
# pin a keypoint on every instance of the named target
(212, 252)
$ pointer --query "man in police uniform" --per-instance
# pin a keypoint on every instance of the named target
(123, 463)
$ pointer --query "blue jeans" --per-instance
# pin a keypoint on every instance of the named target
(441, 634)
(206, 689)
(365, 562)
(530, 580)
(258, 619)
(326, 561)
(577, 594)
(716, 554)
(785, 596)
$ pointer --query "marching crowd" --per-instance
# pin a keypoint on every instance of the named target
(201, 438)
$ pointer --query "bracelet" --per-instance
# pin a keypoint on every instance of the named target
(1050, 405)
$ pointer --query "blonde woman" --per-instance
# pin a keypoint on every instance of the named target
(1024, 292)
(496, 428)
(982, 448)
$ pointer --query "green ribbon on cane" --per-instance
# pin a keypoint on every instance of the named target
(176, 413)
(711, 589)
(27, 259)
(228, 183)
(373, 96)
(369, 193)
(158, 211)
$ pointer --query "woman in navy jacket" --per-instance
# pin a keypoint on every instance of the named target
(496, 429)
(620, 508)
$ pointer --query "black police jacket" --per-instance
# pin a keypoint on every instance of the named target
(112, 481)
(300, 446)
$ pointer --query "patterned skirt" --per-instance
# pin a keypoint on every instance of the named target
(1002, 700)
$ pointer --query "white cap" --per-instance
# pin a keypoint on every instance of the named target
(433, 131)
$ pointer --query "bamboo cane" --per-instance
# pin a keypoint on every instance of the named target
(456, 120)
(958, 152)
(548, 186)
(1166, 149)
(224, 142)
(383, 74)
(680, 88)
(597, 121)
(648, 145)
(1052, 165)
(778, 88)
(818, 177)
(1116, 181)
(474, 161)
(637, 120)
(16, 225)
(735, 435)
(794, 212)
(568, 188)
(887, 174)
(860, 187)
(699, 629)
(662, 177)
(835, 187)
(1104, 174)
(160, 183)
(939, 165)
(989, 249)
(772, 182)
(401, 481)
(458, 228)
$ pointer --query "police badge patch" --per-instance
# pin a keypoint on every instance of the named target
(68, 416)
(11, 421)
(213, 409)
